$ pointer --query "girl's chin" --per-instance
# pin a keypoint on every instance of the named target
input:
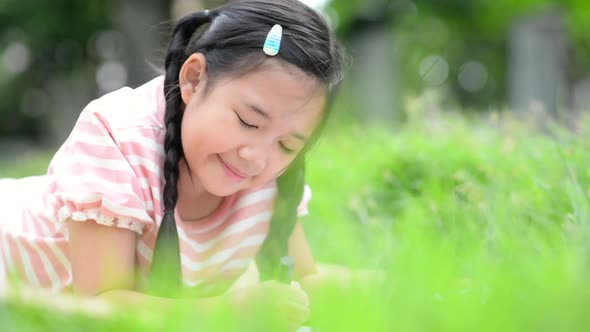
(220, 189)
(223, 193)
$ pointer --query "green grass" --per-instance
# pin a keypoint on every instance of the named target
(480, 226)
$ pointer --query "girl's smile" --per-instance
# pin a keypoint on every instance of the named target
(231, 172)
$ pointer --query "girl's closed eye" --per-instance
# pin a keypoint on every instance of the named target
(286, 149)
(282, 145)
(244, 123)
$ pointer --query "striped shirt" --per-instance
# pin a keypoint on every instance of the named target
(109, 170)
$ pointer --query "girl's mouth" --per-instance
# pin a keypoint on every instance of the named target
(230, 171)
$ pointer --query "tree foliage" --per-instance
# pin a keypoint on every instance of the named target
(42, 40)
(460, 31)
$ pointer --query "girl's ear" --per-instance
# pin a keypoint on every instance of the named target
(192, 73)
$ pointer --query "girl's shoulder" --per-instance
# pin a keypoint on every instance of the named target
(128, 108)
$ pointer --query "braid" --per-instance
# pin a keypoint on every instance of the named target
(166, 275)
(275, 246)
(270, 259)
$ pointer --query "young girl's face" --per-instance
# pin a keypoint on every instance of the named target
(245, 131)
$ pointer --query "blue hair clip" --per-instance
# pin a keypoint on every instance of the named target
(272, 44)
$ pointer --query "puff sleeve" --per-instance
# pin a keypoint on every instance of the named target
(93, 178)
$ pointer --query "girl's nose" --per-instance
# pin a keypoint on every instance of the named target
(255, 157)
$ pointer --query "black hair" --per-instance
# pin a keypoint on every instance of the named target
(231, 39)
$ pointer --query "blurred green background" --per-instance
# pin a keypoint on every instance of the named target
(473, 56)
(457, 160)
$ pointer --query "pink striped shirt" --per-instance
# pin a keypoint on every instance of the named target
(109, 170)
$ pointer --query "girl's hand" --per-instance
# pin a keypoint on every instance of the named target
(275, 306)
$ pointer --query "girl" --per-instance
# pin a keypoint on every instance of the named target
(182, 182)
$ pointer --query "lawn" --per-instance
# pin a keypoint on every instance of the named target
(480, 225)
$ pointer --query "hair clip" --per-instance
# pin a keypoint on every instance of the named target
(272, 44)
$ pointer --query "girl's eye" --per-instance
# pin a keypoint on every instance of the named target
(286, 149)
(246, 124)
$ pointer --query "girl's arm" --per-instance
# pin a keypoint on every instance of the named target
(318, 279)
(308, 272)
(102, 257)
(103, 264)
(300, 251)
